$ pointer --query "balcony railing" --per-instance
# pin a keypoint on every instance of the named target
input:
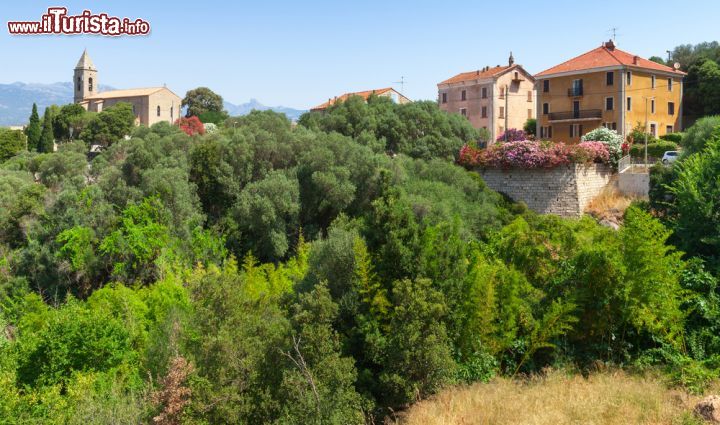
(575, 91)
(583, 114)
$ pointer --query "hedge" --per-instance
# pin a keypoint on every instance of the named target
(672, 137)
(655, 150)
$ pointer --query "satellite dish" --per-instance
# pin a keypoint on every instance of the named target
(676, 65)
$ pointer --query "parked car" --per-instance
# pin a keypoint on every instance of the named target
(670, 156)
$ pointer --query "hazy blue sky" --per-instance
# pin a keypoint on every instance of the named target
(299, 53)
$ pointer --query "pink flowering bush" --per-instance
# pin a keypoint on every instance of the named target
(513, 135)
(531, 154)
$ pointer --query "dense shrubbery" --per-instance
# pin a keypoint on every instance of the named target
(531, 154)
(610, 138)
(672, 137)
(271, 274)
(655, 150)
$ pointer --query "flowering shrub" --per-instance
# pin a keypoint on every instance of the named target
(513, 135)
(530, 154)
(191, 126)
(612, 140)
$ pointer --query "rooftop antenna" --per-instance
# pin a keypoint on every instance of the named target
(402, 84)
(613, 31)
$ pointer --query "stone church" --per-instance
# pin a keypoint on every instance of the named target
(150, 105)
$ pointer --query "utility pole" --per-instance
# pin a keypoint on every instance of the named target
(507, 95)
(647, 129)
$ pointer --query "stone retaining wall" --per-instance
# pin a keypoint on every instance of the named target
(565, 190)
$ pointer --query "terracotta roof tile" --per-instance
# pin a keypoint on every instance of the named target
(603, 57)
(125, 93)
(475, 75)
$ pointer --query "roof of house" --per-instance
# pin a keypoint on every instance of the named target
(85, 62)
(476, 75)
(113, 94)
(605, 56)
(364, 94)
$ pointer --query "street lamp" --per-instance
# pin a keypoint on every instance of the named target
(647, 129)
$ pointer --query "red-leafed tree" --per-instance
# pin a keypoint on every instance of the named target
(191, 125)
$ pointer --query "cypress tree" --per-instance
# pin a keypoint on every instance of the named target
(47, 138)
(33, 131)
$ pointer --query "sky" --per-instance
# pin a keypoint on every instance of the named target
(300, 53)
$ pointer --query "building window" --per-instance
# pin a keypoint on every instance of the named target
(652, 106)
(79, 84)
(576, 130)
(546, 108)
(668, 129)
(90, 84)
(529, 95)
(172, 114)
(629, 104)
(546, 132)
(653, 129)
(158, 110)
(502, 112)
(463, 95)
(670, 82)
(610, 125)
(629, 78)
(484, 93)
(610, 78)
(483, 112)
(529, 113)
(577, 87)
(463, 112)
(133, 107)
(671, 108)
(444, 98)
(502, 92)
(652, 81)
(546, 86)
(609, 103)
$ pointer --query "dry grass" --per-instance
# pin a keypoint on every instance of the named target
(557, 399)
(610, 203)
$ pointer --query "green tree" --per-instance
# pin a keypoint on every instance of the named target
(33, 131)
(47, 138)
(202, 100)
(12, 142)
(110, 125)
(530, 127)
(70, 118)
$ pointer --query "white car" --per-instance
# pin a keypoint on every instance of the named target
(670, 156)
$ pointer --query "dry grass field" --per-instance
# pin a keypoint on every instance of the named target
(558, 398)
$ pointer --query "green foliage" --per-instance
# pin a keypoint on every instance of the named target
(202, 100)
(47, 139)
(110, 125)
(654, 150)
(69, 122)
(213, 117)
(12, 142)
(418, 129)
(697, 136)
(33, 130)
(696, 191)
(530, 127)
(673, 137)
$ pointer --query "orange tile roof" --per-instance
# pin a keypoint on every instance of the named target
(112, 94)
(364, 94)
(604, 56)
(475, 75)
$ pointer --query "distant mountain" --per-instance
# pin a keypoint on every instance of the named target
(246, 108)
(16, 101)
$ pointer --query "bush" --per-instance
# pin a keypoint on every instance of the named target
(655, 150)
(530, 127)
(12, 142)
(610, 138)
(697, 135)
(530, 154)
(513, 135)
(672, 137)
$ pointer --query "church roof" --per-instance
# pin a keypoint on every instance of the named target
(113, 94)
(85, 62)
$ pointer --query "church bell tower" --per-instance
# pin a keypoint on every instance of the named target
(85, 80)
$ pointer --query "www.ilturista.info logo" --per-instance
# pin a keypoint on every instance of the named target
(57, 21)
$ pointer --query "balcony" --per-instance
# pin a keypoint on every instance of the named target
(580, 115)
(575, 91)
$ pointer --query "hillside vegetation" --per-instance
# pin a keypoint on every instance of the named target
(329, 273)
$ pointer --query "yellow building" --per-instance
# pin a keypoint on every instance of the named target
(608, 87)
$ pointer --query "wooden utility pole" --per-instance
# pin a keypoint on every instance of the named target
(507, 95)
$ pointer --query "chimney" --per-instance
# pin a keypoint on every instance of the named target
(636, 59)
(477, 72)
(609, 45)
(511, 60)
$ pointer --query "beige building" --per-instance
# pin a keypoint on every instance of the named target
(494, 98)
(150, 105)
(388, 92)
